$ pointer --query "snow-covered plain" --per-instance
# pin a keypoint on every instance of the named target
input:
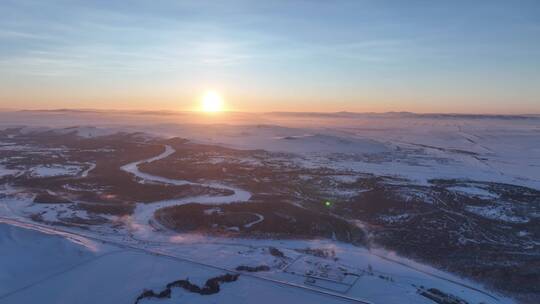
(73, 268)
(148, 258)
(54, 170)
(108, 264)
(5, 171)
(419, 147)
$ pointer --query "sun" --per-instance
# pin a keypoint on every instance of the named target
(212, 102)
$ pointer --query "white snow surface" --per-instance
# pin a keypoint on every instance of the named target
(111, 265)
(6, 172)
(474, 191)
(30, 256)
(502, 212)
(68, 267)
(501, 148)
(114, 264)
(54, 170)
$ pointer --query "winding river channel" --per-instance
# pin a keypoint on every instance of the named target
(144, 213)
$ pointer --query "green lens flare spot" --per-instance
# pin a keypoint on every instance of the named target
(327, 204)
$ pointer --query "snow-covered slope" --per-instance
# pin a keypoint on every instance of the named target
(28, 256)
(53, 266)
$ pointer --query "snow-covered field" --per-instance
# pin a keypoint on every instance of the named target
(54, 170)
(67, 267)
(86, 274)
(5, 171)
(115, 263)
(419, 147)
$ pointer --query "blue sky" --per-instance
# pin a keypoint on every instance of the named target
(424, 56)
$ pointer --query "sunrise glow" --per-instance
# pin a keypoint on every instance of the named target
(212, 102)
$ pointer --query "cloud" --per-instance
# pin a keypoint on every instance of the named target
(9, 34)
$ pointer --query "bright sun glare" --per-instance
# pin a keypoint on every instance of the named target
(212, 102)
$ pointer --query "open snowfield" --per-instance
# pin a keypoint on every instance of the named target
(59, 252)
(418, 147)
(5, 172)
(64, 267)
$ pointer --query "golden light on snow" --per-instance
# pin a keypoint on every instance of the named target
(212, 102)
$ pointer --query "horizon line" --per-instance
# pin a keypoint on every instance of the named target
(168, 111)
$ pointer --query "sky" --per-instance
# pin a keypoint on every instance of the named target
(478, 56)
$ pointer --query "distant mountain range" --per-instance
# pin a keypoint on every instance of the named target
(341, 114)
